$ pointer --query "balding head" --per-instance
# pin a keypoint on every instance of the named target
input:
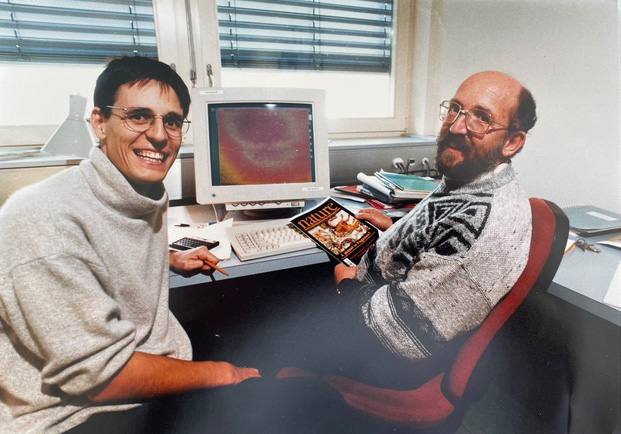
(517, 99)
(498, 82)
(496, 77)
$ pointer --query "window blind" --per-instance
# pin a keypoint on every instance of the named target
(76, 31)
(347, 35)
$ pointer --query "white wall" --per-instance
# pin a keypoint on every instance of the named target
(566, 52)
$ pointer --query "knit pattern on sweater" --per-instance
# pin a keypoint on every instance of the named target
(437, 273)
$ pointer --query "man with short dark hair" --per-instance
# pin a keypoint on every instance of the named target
(85, 326)
(436, 274)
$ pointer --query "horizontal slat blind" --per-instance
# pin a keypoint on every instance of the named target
(76, 30)
(346, 35)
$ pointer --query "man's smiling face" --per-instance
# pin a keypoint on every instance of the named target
(143, 158)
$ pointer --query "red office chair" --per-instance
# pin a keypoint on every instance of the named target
(442, 400)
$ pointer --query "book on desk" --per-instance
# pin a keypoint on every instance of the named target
(385, 190)
(394, 187)
(406, 185)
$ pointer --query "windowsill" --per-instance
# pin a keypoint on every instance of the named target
(35, 158)
(15, 160)
(386, 142)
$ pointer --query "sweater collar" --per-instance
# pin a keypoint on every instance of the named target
(114, 190)
(496, 178)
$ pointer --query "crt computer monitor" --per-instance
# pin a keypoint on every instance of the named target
(259, 148)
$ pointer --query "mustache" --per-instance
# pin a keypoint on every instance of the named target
(454, 141)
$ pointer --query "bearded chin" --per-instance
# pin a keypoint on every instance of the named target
(473, 163)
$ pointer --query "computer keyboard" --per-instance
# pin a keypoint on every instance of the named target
(257, 240)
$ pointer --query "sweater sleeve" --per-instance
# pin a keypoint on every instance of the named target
(419, 316)
(69, 328)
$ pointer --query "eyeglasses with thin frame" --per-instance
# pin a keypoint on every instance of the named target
(140, 119)
(478, 121)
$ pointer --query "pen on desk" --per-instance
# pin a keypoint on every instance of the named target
(570, 246)
(215, 267)
(183, 225)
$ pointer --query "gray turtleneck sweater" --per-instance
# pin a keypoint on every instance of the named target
(438, 272)
(83, 284)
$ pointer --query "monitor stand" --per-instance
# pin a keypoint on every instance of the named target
(265, 210)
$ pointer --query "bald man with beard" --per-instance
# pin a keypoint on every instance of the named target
(435, 275)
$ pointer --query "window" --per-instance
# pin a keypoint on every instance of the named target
(54, 48)
(354, 35)
(72, 31)
(355, 49)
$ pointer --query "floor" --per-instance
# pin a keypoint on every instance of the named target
(498, 412)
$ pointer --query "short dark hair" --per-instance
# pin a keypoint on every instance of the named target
(525, 116)
(133, 70)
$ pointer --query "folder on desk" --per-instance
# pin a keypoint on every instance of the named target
(591, 220)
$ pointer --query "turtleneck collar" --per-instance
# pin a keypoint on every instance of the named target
(114, 190)
(495, 178)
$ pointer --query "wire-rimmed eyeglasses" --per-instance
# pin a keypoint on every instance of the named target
(478, 121)
(140, 119)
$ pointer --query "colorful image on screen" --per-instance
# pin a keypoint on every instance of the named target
(262, 145)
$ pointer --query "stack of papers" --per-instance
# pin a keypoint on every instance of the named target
(406, 185)
(394, 187)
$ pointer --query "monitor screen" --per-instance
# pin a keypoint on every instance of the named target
(259, 145)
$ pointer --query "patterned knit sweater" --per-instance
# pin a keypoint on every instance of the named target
(437, 273)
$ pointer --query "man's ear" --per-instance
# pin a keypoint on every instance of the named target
(98, 123)
(513, 144)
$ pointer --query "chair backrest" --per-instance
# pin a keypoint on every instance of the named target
(548, 239)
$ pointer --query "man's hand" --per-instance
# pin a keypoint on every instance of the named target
(375, 217)
(194, 259)
(343, 271)
(239, 374)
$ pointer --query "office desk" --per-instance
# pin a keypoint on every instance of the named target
(584, 277)
(592, 335)
(203, 214)
(588, 331)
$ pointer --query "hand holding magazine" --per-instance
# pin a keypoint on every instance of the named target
(337, 231)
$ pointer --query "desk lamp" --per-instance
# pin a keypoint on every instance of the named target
(74, 136)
